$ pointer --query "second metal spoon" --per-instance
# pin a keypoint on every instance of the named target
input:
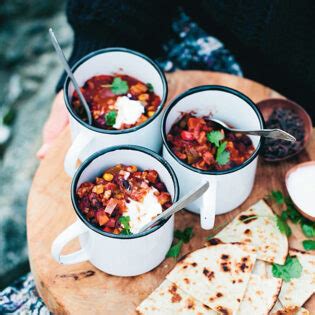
(70, 74)
(268, 133)
(179, 205)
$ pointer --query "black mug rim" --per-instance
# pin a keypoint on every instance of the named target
(97, 154)
(116, 49)
(203, 88)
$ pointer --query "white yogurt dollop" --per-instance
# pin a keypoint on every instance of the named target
(128, 111)
(141, 213)
(301, 188)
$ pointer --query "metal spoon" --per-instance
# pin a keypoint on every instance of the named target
(268, 133)
(70, 74)
(177, 206)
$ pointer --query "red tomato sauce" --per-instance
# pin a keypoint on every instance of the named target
(104, 201)
(201, 144)
(101, 97)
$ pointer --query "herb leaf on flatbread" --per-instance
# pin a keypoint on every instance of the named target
(309, 244)
(291, 269)
(283, 226)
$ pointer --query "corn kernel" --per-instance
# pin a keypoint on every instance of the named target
(98, 189)
(108, 176)
(151, 113)
(143, 97)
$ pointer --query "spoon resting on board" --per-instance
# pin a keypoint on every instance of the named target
(268, 133)
(66, 66)
(177, 206)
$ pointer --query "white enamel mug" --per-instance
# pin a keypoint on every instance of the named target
(87, 139)
(228, 189)
(120, 255)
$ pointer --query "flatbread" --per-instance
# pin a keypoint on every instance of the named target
(261, 233)
(216, 275)
(280, 310)
(168, 299)
(299, 290)
(260, 296)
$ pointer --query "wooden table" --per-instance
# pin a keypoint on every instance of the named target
(81, 288)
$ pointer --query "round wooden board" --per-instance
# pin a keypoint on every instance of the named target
(81, 288)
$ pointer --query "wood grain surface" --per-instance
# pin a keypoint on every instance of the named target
(81, 288)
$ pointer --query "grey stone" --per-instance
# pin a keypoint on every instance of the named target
(29, 73)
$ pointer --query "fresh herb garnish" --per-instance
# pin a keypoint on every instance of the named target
(277, 196)
(283, 226)
(110, 118)
(309, 244)
(124, 221)
(150, 87)
(308, 228)
(291, 269)
(215, 137)
(118, 86)
(222, 156)
(183, 237)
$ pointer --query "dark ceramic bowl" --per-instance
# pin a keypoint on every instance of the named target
(268, 106)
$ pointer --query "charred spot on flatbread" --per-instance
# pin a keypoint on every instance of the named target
(219, 294)
(194, 264)
(187, 280)
(248, 232)
(214, 241)
(206, 307)
(247, 218)
(190, 304)
(223, 310)
(209, 274)
(225, 257)
(287, 311)
(244, 264)
(175, 296)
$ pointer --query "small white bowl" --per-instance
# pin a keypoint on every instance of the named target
(304, 212)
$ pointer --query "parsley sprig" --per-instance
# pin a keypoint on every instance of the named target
(150, 87)
(183, 237)
(215, 137)
(292, 268)
(118, 86)
(110, 118)
(124, 221)
(290, 213)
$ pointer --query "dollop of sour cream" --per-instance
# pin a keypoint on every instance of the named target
(141, 213)
(301, 188)
(128, 111)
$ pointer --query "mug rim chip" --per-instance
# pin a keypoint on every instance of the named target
(107, 50)
(97, 154)
(203, 88)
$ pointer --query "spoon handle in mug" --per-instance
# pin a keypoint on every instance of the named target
(179, 205)
(270, 133)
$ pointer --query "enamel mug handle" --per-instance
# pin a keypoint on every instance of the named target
(208, 206)
(72, 156)
(71, 232)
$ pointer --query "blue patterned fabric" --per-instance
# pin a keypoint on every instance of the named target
(191, 48)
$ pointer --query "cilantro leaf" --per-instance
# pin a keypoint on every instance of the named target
(119, 86)
(111, 118)
(222, 156)
(308, 228)
(174, 251)
(309, 244)
(150, 87)
(124, 221)
(215, 137)
(291, 269)
(277, 196)
(183, 237)
(293, 214)
(283, 226)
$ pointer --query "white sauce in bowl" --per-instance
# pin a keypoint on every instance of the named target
(141, 213)
(301, 188)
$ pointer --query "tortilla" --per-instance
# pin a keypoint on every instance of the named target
(298, 290)
(261, 233)
(216, 275)
(280, 310)
(260, 296)
(168, 299)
